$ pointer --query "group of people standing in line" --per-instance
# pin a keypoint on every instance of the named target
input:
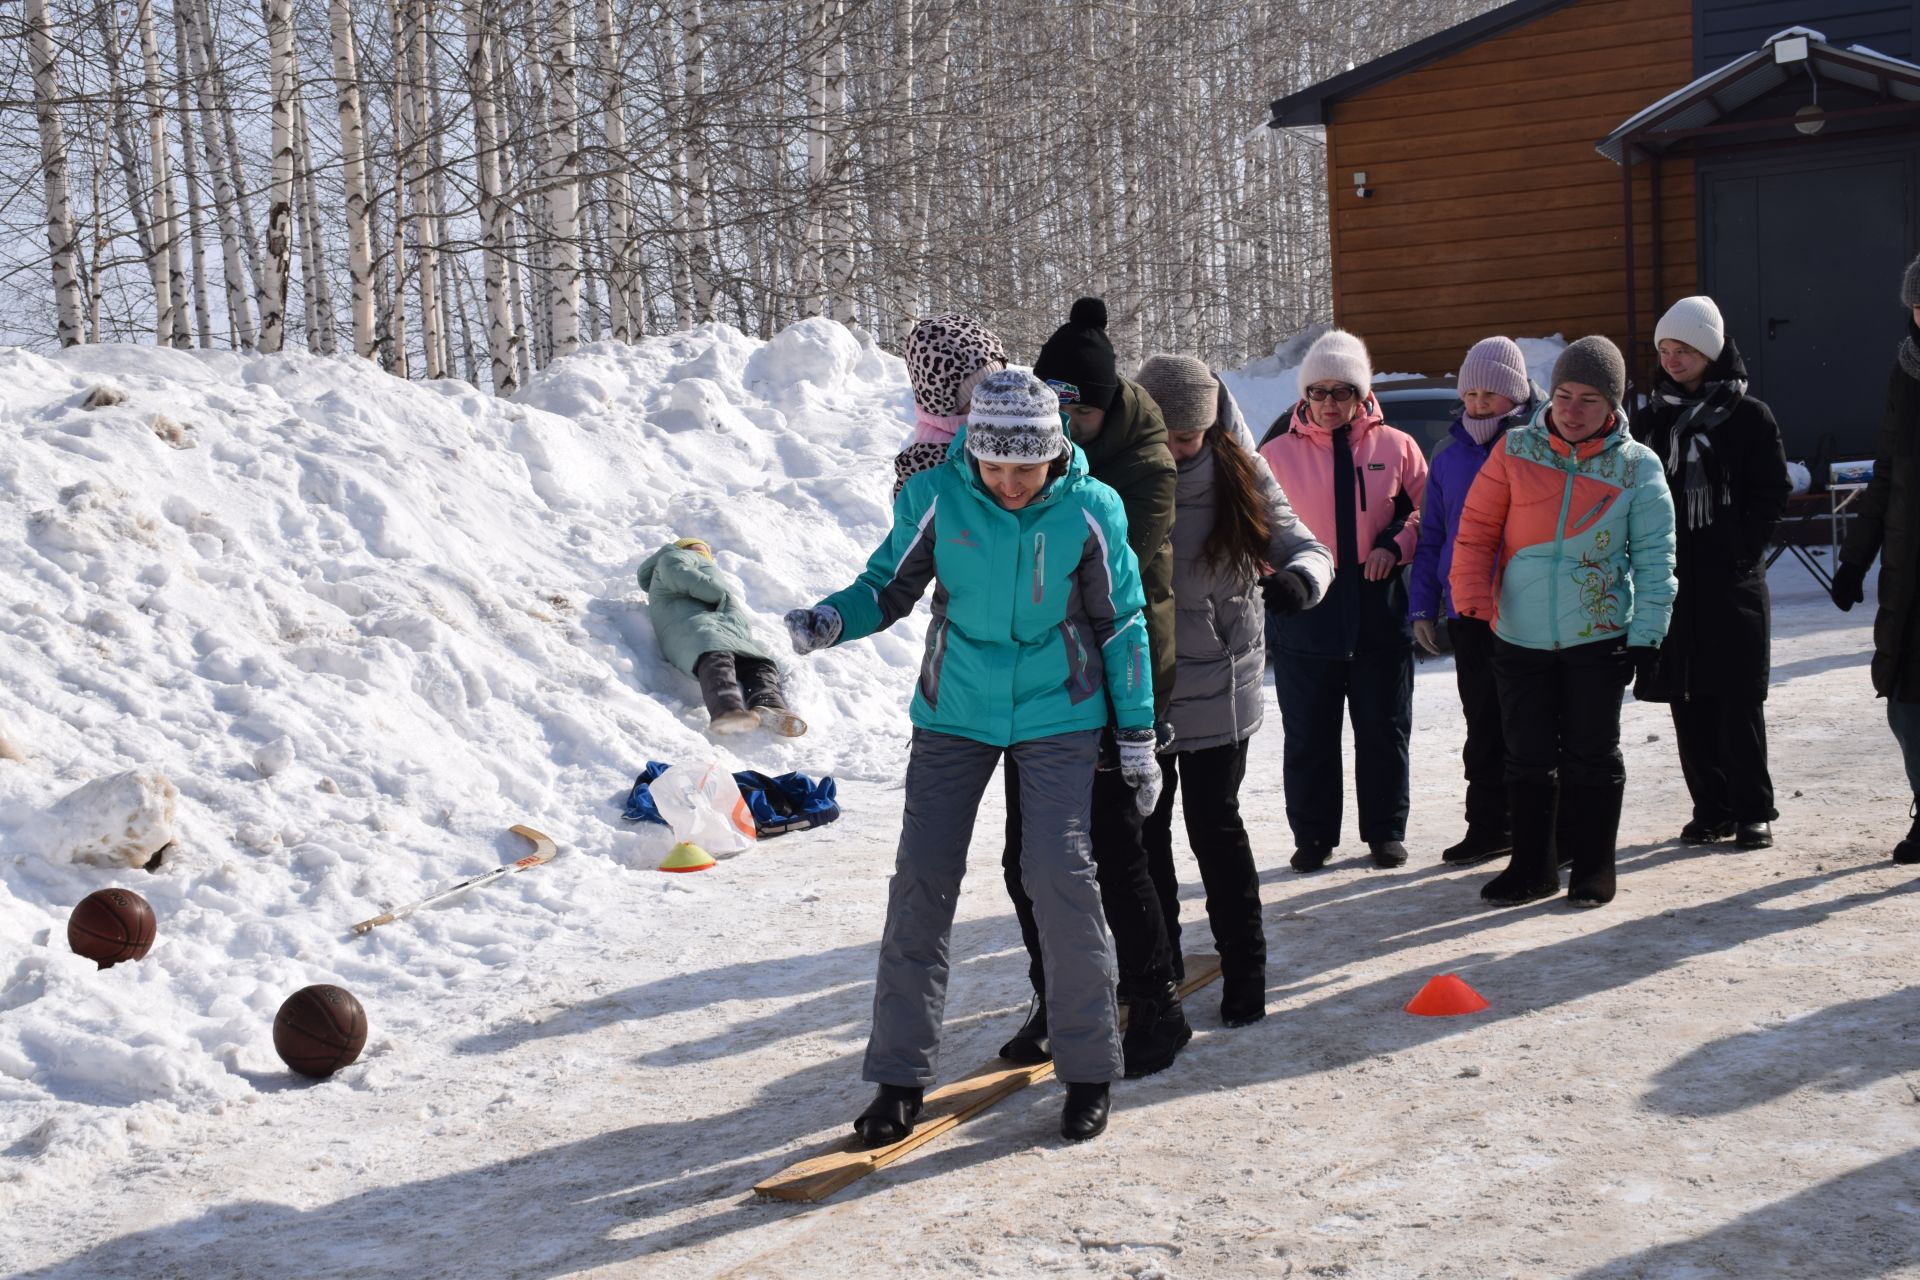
(1115, 560)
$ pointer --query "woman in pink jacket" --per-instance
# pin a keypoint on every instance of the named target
(1356, 483)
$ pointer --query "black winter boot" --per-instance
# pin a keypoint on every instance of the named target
(1029, 1044)
(890, 1116)
(1531, 873)
(1085, 1115)
(1156, 1029)
(1480, 845)
(1907, 852)
(1243, 996)
(1596, 817)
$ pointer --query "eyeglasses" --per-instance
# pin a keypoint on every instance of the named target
(1341, 394)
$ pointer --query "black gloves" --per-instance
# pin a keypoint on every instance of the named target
(1646, 662)
(1286, 592)
(1849, 585)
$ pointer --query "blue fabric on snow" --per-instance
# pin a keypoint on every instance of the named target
(782, 803)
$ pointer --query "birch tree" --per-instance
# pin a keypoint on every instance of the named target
(277, 261)
(353, 156)
(61, 237)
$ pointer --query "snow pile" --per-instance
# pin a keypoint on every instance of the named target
(363, 626)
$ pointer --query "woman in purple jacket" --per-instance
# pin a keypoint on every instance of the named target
(1497, 394)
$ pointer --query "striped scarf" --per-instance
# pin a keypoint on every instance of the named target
(1694, 473)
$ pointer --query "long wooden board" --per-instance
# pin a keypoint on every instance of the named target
(845, 1162)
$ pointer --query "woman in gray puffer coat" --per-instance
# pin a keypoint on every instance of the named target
(1232, 524)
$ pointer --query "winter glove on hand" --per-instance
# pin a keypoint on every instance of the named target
(1286, 592)
(1138, 767)
(1849, 585)
(1646, 662)
(815, 628)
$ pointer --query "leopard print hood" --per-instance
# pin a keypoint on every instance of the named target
(947, 356)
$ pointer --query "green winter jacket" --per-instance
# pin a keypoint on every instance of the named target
(1130, 455)
(693, 609)
(1036, 613)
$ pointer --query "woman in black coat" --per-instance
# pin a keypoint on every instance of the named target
(1728, 472)
(1888, 524)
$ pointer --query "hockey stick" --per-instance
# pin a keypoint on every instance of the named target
(543, 851)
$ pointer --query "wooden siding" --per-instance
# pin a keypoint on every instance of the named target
(1490, 210)
(1726, 29)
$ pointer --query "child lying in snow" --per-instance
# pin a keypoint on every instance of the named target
(702, 628)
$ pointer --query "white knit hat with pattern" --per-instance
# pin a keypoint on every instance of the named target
(1015, 418)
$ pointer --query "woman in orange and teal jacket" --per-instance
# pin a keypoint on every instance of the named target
(1566, 546)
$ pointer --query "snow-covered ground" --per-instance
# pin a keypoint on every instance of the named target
(363, 627)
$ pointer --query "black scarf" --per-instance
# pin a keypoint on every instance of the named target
(1694, 470)
(1910, 352)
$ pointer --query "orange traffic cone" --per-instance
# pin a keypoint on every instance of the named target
(686, 856)
(1444, 996)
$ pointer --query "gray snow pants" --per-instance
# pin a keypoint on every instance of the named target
(946, 776)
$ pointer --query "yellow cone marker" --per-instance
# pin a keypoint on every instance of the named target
(687, 857)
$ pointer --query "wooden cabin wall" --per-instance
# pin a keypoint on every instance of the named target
(1490, 211)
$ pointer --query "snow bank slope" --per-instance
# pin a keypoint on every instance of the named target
(364, 626)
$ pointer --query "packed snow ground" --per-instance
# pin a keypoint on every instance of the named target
(364, 626)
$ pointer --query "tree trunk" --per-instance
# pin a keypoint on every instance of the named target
(353, 149)
(563, 186)
(190, 175)
(61, 236)
(239, 294)
(626, 301)
(494, 214)
(316, 290)
(171, 327)
(277, 261)
(699, 250)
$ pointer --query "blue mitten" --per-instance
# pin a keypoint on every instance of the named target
(815, 628)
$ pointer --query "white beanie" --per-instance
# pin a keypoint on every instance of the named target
(1337, 356)
(1695, 321)
(1015, 418)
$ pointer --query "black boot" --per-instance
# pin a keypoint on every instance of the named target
(1156, 1029)
(890, 1116)
(1029, 1044)
(1243, 996)
(1531, 873)
(1596, 818)
(1907, 852)
(1480, 845)
(1085, 1115)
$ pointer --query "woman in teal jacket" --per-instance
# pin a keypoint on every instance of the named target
(1036, 626)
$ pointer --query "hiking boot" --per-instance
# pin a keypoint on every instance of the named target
(1085, 1115)
(1595, 817)
(1388, 853)
(1310, 857)
(1480, 845)
(1029, 1044)
(890, 1116)
(780, 720)
(1700, 831)
(1907, 852)
(1753, 835)
(1156, 1030)
(734, 721)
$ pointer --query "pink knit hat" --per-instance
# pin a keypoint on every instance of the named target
(1495, 364)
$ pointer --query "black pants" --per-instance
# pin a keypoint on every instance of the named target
(1376, 690)
(737, 681)
(1120, 866)
(1723, 753)
(1211, 809)
(1560, 710)
(1485, 752)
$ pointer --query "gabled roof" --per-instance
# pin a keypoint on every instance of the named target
(1719, 94)
(1309, 105)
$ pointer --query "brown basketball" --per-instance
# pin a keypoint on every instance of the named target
(319, 1030)
(111, 925)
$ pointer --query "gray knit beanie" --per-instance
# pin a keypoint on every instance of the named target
(1015, 418)
(1595, 362)
(1910, 287)
(1496, 365)
(1185, 390)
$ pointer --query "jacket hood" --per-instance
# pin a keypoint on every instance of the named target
(1615, 437)
(958, 456)
(653, 562)
(1364, 421)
